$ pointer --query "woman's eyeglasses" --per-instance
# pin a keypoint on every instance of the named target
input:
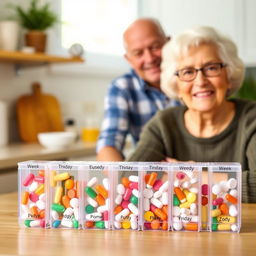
(209, 70)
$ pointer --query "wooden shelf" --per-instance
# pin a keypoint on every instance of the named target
(17, 57)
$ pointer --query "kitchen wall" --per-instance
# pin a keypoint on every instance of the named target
(80, 96)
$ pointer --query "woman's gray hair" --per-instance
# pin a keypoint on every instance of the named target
(179, 46)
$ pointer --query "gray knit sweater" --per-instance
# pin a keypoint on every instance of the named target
(166, 135)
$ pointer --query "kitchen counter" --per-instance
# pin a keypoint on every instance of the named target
(12, 154)
(21, 241)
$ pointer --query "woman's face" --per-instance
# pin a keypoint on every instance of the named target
(203, 94)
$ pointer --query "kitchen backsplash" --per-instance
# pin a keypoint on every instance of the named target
(80, 97)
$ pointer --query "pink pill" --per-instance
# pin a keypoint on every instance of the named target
(105, 215)
(147, 225)
(33, 197)
(125, 203)
(157, 184)
(133, 185)
(28, 180)
(152, 208)
(218, 201)
(205, 189)
(42, 223)
(127, 194)
(180, 175)
(39, 179)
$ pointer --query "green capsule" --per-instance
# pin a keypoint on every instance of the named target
(214, 220)
(134, 200)
(214, 207)
(214, 227)
(89, 208)
(176, 201)
(90, 192)
(27, 223)
(75, 223)
(58, 208)
(100, 224)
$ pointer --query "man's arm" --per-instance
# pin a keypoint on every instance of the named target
(109, 153)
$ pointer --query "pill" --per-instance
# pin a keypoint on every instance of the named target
(92, 182)
(148, 193)
(28, 180)
(61, 176)
(134, 178)
(232, 183)
(180, 194)
(90, 192)
(216, 189)
(180, 175)
(151, 180)
(105, 183)
(69, 183)
(234, 228)
(233, 211)
(101, 190)
(233, 192)
(120, 189)
(204, 189)
(231, 199)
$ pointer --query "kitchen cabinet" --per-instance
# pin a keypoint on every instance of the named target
(234, 18)
(20, 59)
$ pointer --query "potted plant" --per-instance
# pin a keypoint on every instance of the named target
(36, 19)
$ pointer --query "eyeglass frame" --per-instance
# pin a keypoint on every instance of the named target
(221, 65)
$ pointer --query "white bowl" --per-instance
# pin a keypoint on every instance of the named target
(55, 140)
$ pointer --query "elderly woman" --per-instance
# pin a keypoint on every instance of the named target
(201, 67)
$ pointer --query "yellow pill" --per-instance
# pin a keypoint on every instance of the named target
(224, 227)
(224, 219)
(149, 216)
(215, 212)
(53, 183)
(191, 197)
(204, 216)
(62, 176)
(185, 205)
(126, 224)
(58, 195)
(40, 190)
(186, 192)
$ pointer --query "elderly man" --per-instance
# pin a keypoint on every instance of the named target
(136, 96)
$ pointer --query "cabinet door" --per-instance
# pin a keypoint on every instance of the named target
(234, 18)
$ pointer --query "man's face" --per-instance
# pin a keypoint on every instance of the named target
(143, 51)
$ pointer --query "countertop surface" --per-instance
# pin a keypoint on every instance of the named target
(21, 241)
(12, 154)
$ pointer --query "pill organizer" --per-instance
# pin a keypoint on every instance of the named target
(188, 197)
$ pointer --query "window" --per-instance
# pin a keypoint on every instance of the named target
(97, 24)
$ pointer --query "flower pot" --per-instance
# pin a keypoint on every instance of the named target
(36, 39)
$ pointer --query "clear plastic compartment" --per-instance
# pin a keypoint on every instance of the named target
(96, 195)
(186, 197)
(225, 197)
(126, 199)
(32, 194)
(64, 194)
(155, 199)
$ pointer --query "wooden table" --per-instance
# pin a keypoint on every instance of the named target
(19, 241)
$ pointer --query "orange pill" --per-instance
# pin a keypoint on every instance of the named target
(180, 194)
(160, 214)
(65, 201)
(34, 211)
(41, 214)
(155, 224)
(146, 178)
(89, 224)
(231, 199)
(41, 173)
(69, 184)
(164, 225)
(125, 181)
(151, 179)
(78, 189)
(71, 193)
(165, 209)
(100, 199)
(191, 226)
(118, 209)
(25, 197)
(224, 209)
(100, 189)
